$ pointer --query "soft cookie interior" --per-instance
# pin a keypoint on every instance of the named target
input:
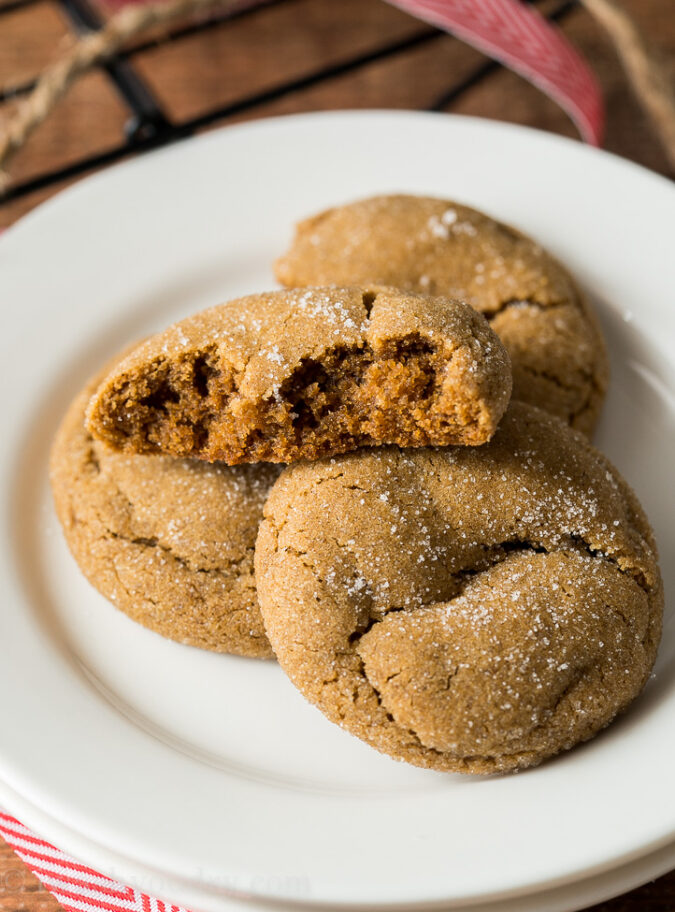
(444, 248)
(302, 376)
(168, 541)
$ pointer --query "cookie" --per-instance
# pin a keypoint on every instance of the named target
(440, 247)
(302, 374)
(465, 609)
(168, 541)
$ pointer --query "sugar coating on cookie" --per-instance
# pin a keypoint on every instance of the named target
(471, 610)
(306, 373)
(168, 541)
(443, 248)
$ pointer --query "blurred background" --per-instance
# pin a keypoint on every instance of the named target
(284, 56)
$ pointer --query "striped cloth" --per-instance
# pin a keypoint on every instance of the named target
(520, 38)
(77, 887)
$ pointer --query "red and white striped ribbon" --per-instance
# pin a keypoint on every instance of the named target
(77, 887)
(520, 38)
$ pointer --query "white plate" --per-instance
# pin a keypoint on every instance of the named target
(211, 771)
(575, 895)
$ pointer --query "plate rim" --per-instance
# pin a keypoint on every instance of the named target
(590, 889)
(134, 160)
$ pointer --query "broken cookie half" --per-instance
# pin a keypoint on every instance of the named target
(305, 373)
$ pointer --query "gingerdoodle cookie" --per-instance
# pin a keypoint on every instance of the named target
(168, 541)
(305, 373)
(470, 610)
(440, 247)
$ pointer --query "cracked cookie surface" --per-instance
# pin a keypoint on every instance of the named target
(443, 248)
(306, 373)
(470, 610)
(168, 541)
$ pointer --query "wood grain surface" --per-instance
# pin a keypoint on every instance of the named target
(404, 64)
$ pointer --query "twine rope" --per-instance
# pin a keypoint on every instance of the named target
(87, 52)
(645, 71)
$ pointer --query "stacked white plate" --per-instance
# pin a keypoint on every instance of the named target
(207, 779)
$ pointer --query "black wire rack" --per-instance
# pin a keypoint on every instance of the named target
(149, 126)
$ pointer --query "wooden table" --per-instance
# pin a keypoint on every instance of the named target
(292, 55)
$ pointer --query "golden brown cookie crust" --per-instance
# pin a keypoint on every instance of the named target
(301, 374)
(471, 610)
(168, 541)
(441, 247)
